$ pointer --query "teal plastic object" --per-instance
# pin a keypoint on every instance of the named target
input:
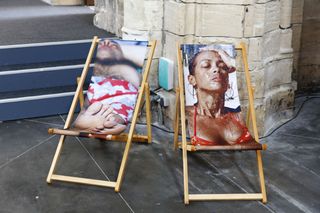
(165, 74)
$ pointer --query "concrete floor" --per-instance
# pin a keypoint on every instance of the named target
(153, 180)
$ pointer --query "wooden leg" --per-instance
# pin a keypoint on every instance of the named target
(183, 127)
(185, 169)
(55, 158)
(73, 106)
(261, 176)
(176, 122)
(148, 112)
(129, 141)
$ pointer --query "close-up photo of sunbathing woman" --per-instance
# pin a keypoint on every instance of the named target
(210, 121)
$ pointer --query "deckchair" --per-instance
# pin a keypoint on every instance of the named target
(188, 146)
(129, 137)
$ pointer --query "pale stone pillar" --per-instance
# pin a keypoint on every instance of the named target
(109, 15)
(285, 18)
(285, 25)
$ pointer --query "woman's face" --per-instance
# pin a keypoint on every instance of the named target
(210, 72)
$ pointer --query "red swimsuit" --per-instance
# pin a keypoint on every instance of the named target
(196, 140)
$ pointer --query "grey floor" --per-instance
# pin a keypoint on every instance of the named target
(153, 180)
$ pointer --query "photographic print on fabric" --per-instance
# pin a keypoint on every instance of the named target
(112, 93)
(212, 103)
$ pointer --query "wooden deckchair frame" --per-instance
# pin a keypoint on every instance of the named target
(128, 138)
(186, 146)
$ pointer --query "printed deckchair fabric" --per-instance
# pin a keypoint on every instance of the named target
(113, 99)
(209, 105)
(112, 93)
(212, 104)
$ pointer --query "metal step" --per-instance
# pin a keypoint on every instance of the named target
(40, 79)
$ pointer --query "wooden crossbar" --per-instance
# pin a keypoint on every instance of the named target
(241, 196)
(87, 181)
(237, 147)
(121, 137)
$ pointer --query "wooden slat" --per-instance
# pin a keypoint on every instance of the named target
(81, 96)
(183, 126)
(135, 116)
(176, 120)
(236, 147)
(192, 148)
(121, 137)
(243, 196)
(253, 120)
(87, 181)
(148, 112)
(72, 108)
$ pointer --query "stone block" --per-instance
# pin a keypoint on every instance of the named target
(109, 16)
(278, 73)
(179, 18)
(109, 22)
(272, 16)
(254, 20)
(219, 20)
(286, 41)
(143, 15)
(270, 45)
(249, 20)
(255, 53)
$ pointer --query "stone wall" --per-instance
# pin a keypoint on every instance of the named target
(263, 25)
(308, 75)
(109, 15)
